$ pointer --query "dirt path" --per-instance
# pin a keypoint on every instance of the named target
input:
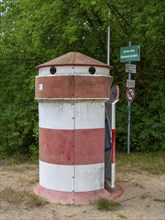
(142, 199)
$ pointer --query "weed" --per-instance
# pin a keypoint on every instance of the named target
(35, 201)
(159, 200)
(145, 196)
(118, 179)
(139, 185)
(122, 216)
(106, 205)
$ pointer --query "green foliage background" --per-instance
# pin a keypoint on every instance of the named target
(33, 32)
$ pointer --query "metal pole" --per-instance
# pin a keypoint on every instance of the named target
(129, 115)
(108, 40)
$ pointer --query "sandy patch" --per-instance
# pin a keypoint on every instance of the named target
(142, 198)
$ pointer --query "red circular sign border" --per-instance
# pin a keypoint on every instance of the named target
(127, 93)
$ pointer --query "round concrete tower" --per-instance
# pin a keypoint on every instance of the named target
(71, 91)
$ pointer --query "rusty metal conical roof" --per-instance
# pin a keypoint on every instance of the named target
(73, 59)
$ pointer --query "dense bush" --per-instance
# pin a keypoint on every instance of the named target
(36, 31)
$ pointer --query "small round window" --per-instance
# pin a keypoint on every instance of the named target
(53, 70)
(92, 70)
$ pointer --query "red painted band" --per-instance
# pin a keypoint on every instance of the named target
(68, 147)
(56, 146)
(92, 87)
(73, 87)
(89, 146)
(113, 145)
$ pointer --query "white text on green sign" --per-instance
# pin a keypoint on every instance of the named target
(129, 54)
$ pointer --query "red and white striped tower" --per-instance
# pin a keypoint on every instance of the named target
(71, 91)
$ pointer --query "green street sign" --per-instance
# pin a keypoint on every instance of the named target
(131, 53)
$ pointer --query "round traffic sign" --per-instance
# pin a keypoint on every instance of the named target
(114, 95)
(130, 94)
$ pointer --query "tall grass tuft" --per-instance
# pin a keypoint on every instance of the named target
(106, 205)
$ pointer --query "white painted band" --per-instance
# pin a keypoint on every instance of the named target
(113, 175)
(89, 177)
(81, 115)
(56, 177)
(67, 178)
(74, 70)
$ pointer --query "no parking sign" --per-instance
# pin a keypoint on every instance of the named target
(130, 94)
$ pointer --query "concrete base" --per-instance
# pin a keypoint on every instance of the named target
(76, 198)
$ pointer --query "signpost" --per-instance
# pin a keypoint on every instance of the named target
(128, 54)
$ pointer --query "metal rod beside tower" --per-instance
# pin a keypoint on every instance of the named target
(108, 39)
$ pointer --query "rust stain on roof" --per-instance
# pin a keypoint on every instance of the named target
(73, 59)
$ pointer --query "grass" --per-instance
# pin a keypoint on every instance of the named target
(122, 216)
(18, 164)
(145, 196)
(106, 205)
(139, 185)
(21, 168)
(15, 160)
(153, 163)
(19, 198)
